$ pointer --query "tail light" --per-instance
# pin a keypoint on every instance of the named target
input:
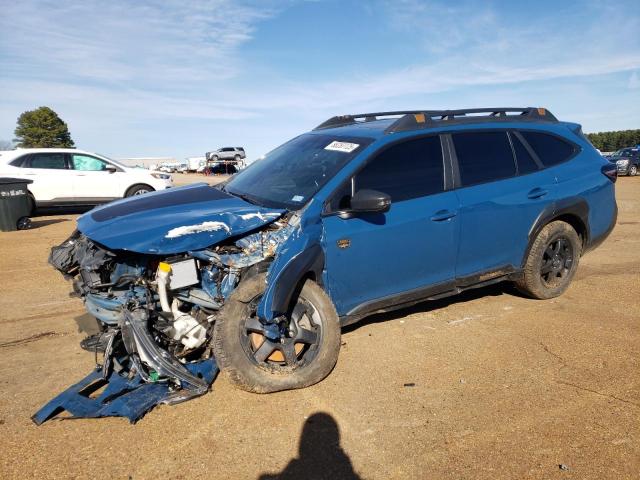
(610, 171)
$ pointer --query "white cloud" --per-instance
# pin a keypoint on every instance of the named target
(115, 63)
(117, 42)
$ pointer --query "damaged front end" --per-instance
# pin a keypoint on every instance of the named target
(155, 314)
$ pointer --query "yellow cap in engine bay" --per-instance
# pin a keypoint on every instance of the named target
(164, 267)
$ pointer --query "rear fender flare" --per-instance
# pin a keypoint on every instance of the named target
(574, 211)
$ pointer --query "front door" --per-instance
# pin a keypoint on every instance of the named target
(92, 181)
(379, 259)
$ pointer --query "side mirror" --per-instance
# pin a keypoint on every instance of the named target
(370, 201)
(110, 169)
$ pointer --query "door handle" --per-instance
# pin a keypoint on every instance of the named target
(537, 193)
(442, 215)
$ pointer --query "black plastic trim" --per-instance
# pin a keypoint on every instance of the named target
(418, 119)
(310, 260)
(393, 302)
(432, 292)
(574, 206)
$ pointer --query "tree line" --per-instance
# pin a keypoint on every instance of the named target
(43, 127)
(612, 141)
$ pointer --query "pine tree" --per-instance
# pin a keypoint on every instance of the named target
(42, 128)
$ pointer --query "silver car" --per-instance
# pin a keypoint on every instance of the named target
(226, 153)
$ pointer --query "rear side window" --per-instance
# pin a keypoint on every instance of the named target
(483, 157)
(20, 161)
(550, 149)
(526, 163)
(48, 160)
(408, 170)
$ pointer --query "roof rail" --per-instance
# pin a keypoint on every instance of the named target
(416, 119)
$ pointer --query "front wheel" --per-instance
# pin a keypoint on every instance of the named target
(138, 190)
(633, 170)
(552, 261)
(297, 352)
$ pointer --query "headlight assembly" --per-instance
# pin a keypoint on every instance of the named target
(161, 176)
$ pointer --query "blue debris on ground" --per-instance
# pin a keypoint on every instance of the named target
(121, 396)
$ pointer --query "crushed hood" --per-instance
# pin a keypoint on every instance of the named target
(173, 221)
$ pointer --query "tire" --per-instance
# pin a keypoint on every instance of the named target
(633, 170)
(552, 261)
(236, 348)
(214, 158)
(32, 205)
(139, 189)
(237, 158)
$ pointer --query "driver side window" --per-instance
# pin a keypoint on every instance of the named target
(87, 163)
(404, 171)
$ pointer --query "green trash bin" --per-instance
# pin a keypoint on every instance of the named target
(15, 204)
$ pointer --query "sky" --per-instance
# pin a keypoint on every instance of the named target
(178, 78)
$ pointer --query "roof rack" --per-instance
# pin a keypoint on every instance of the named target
(416, 119)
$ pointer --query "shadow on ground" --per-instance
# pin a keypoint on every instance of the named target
(320, 455)
(495, 290)
(68, 210)
(44, 223)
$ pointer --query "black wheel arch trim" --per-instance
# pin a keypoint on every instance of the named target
(574, 209)
(309, 261)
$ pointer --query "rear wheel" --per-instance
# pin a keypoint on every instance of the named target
(138, 190)
(552, 261)
(297, 352)
(32, 204)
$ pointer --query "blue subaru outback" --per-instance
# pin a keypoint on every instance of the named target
(364, 214)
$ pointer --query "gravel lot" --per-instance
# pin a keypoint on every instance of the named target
(484, 385)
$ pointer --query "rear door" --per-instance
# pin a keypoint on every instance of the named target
(500, 199)
(374, 259)
(92, 180)
(52, 179)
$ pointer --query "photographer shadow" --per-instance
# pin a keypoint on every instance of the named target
(320, 455)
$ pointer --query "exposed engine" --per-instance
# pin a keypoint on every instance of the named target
(156, 314)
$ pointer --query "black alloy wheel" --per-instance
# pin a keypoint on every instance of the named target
(557, 261)
(298, 341)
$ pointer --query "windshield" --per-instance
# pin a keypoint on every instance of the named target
(290, 175)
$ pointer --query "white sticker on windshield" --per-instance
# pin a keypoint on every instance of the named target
(345, 147)
(297, 198)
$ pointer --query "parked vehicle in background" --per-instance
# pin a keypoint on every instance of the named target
(182, 168)
(222, 168)
(627, 161)
(226, 153)
(196, 164)
(364, 214)
(64, 177)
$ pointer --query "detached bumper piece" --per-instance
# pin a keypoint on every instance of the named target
(121, 397)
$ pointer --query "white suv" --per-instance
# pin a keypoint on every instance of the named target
(63, 176)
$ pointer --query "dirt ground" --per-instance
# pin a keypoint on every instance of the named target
(484, 385)
(187, 178)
